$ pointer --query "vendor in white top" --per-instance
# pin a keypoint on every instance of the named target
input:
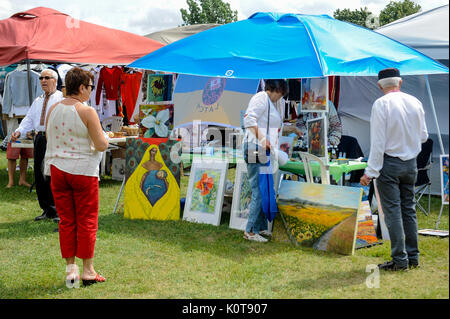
(397, 131)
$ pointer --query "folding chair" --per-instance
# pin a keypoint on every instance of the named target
(324, 173)
(423, 182)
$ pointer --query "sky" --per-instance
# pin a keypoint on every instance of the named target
(146, 16)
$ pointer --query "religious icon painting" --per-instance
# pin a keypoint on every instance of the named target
(320, 216)
(314, 95)
(152, 187)
(317, 137)
(156, 120)
(159, 87)
(204, 198)
(444, 178)
(242, 194)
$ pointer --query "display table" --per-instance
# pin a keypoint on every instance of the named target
(337, 170)
(228, 154)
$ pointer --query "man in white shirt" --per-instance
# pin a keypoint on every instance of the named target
(397, 131)
(35, 121)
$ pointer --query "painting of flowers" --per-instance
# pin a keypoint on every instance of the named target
(242, 194)
(156, 120)
(205, 192)
(159, 87)
(320, 216)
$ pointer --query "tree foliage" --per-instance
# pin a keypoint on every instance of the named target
(208, 11)
(363, 17)
(358, 16)
(396, 10)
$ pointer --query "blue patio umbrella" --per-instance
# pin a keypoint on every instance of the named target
(275, 45)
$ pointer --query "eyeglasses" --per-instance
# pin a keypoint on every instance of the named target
(45, 77)
(91, 85)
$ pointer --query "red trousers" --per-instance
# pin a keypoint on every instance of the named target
(76, 201)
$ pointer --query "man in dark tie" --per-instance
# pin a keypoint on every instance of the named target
(34, 121)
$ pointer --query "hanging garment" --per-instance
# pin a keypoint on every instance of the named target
(268, 195)
(129, 89)
(15, 98)
(110, 79)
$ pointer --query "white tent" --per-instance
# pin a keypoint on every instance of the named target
(174, 34)
(426, 32)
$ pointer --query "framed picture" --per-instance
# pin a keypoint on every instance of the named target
(152, 187)
(205, 192)
(242, 195)
(286, 144)
(444, 178)
(314, 95)
(320, 216)
(159, 87)
(317, 137)
(156, 120)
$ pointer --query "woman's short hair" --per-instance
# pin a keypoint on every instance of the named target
(277, 85)
(74, 78)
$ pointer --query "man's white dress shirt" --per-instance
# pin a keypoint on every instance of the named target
(32, 120)
(397, 128)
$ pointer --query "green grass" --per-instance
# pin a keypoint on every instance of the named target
(155, 259)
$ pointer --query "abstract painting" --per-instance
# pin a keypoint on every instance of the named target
(152, 187)
(317, 137)
(156, 120)
(444, 178)
(242, 195)
(205, 192)
(314, 96)
(366, 235)
(159, 87)
(320, 216)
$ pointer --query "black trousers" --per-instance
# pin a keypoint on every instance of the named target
(43, 189)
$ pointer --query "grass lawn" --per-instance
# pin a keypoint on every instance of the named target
(154, 259)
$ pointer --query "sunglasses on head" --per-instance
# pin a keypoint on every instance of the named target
(46, 77)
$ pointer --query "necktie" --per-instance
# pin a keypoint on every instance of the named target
(44, 107)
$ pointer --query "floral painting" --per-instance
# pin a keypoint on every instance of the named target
(159, 87)
(204, 197)
(242, 194)
(320, 216)
(156, 120)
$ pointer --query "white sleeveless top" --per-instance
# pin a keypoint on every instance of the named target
(69, 146)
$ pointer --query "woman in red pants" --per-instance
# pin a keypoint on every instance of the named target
(75, 140)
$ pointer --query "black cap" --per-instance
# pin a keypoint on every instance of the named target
(388, 73)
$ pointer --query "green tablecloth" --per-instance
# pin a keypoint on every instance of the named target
(336, 170)
(295, 167)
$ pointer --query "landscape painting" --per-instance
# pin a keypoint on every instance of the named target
(366, 235)
(320, 216)
(314, 97)
(317, 137)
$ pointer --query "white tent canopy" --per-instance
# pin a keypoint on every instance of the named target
(174, 34)
(426, 32)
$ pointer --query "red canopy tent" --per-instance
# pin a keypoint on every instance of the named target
(45, 34)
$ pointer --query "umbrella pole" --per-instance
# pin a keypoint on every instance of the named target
(30, 95)
(434, 114)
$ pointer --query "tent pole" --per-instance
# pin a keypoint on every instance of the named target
(30, 95)
(434, 114)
